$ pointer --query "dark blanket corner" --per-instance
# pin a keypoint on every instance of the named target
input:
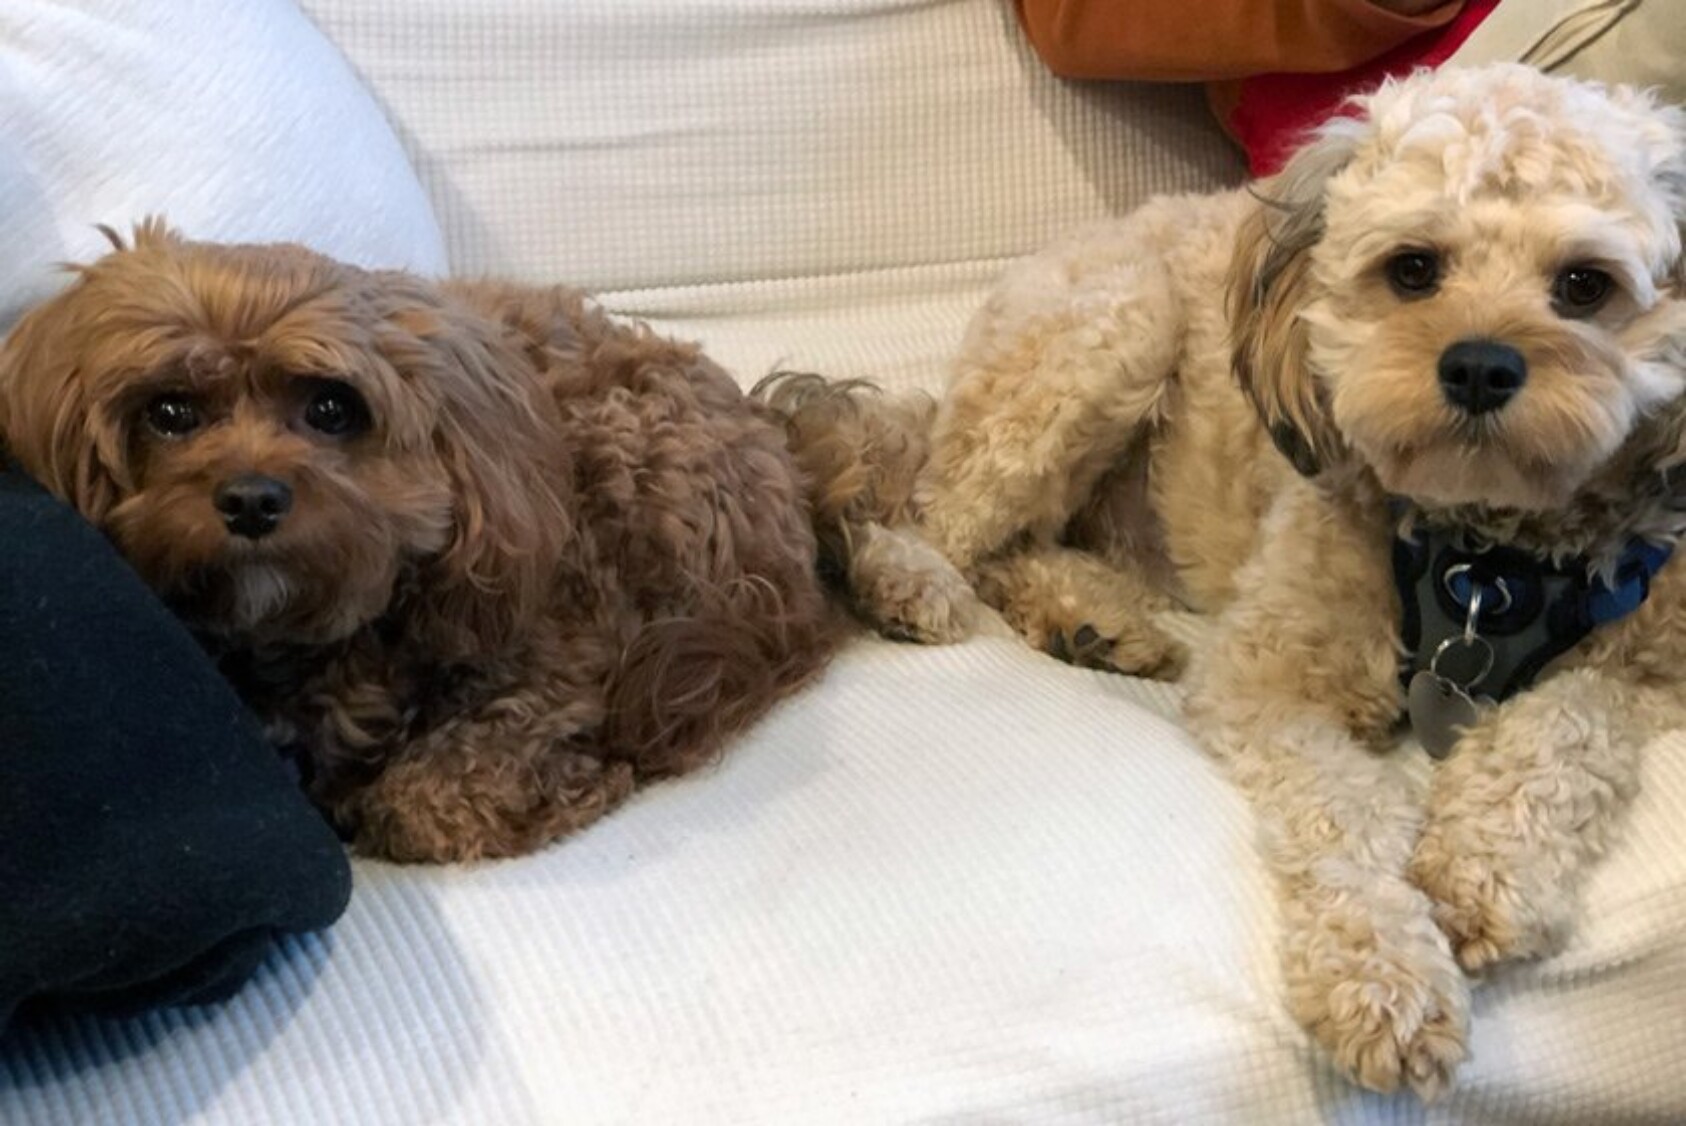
(154, 844)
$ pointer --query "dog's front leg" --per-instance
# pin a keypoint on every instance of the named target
(482, 790)
(1300, 683)
(1528, 798)
(504, 775)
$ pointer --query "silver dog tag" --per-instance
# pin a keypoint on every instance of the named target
(1439, 711)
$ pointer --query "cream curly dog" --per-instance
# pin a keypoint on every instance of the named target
(1459, 314)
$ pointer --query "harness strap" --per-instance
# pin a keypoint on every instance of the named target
(1492, 618)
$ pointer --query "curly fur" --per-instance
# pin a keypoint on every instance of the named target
(565, 555)
(863, 451)
(1110, 439)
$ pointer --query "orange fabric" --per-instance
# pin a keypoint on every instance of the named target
(1203, 40)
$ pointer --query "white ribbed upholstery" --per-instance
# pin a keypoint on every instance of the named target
(963, 885)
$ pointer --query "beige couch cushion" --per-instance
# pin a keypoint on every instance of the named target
(1642, 42)
(830, 183)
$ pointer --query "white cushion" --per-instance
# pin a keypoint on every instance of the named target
(236, 121)
(946, 885)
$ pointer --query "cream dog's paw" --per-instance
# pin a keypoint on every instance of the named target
(1139, 649)
(1390, 1008)
(1490, 910)
(1084, 611)
(907, 591)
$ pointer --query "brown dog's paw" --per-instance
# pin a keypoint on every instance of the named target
(419, 814)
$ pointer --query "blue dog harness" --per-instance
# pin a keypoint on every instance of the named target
(1481, 621)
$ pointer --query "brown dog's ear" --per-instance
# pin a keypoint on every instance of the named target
(497, 440)
(49, 422)
(1269, 288)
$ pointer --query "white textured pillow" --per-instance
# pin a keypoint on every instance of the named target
(236, 120)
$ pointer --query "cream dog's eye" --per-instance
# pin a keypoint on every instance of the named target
(172, 415)
(1581, 291)
(336, 410)
(1413, 273)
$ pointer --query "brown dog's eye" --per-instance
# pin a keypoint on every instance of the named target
(335, 409)
(1413, 273)
(172, 415)
(1581, 291)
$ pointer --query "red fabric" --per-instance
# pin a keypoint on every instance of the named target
(1274, 111)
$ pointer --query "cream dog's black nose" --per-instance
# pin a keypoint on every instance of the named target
(252, 505)
(1478, 376)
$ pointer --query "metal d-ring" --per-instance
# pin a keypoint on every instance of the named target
(1469, 638)
(1472, 615)
(1504, 590)
(1506, 599)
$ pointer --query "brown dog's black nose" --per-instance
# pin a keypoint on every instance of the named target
(1478, 376)
(252, 505)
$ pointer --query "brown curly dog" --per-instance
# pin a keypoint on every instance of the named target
(482, 558)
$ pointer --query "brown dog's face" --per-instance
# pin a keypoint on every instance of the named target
(271, 438)
(268, 494)
(1489, 310)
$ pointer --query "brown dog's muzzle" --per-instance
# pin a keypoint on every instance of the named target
(252, 504)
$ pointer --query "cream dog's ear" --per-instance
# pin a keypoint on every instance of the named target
(1666, 437)
(1269, 288)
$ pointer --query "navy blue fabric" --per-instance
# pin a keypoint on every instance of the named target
(154, 843)
(1634, 572)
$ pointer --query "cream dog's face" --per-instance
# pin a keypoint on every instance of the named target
(1487, 303)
